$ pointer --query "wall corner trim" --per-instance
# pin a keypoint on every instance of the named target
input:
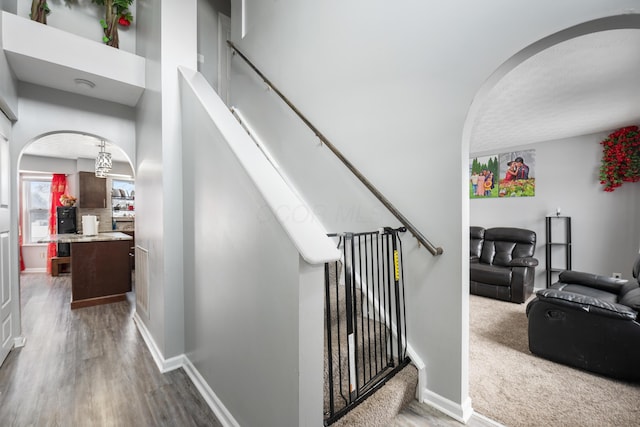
(164, 365)
(458, 411)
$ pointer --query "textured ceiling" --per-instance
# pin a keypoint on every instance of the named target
(72, 146)
(585, 85)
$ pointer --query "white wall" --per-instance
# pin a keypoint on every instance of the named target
(8, 85)
(44, 110)
(31, 163)
(82, 18)
(149, 200)
(605, 226)
(241, 283)
(10, 6)
(159, 167)
(208, 11)
(35, 258)
(391, 87)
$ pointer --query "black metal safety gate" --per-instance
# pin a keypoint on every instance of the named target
(365, 331)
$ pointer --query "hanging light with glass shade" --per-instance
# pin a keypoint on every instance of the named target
(103, 162)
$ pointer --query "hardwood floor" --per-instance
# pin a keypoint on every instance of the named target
(422, 415)
(89, 367)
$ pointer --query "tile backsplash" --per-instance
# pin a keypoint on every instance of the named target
(103, 215)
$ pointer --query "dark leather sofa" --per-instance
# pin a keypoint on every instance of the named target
(589, 322)
(501, 263)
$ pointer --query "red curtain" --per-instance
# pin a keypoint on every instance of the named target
(20, 238)
(58, 188)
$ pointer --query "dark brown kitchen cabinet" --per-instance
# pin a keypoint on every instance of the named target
(100, 272)
(93, 191)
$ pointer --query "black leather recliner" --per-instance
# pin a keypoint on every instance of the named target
(501, 263)
(589, 322)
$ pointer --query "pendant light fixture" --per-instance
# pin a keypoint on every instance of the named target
(103, 162)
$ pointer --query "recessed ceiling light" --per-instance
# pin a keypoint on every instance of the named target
(85, 82)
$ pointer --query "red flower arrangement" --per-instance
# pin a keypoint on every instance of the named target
(620, 158)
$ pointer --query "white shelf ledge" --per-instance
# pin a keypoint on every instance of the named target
(54, 58)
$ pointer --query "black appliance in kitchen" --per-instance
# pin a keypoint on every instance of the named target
(66, 225)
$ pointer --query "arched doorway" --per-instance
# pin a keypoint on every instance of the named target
(65, 153)
(560, 46)
(70, 154)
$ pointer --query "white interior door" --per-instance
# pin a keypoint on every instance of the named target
(7, 300)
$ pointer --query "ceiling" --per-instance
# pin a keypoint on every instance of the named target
(73, 146)
(585, 85)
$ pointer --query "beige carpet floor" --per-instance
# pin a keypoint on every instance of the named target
(512, 386)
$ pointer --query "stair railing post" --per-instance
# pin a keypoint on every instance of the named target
(328, 312)
(396, 289)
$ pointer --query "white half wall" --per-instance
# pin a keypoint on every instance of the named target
(242, 283)
(605, 227)
(82, 18)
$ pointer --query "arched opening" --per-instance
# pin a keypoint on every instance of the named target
(72, 155)
(554, 140)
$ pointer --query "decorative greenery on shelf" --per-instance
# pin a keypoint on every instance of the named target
(116, 12)
(39, 11)
(620, 158)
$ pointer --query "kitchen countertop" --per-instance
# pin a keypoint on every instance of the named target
(81, 238)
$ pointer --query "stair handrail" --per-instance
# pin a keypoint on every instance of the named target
(435, 250)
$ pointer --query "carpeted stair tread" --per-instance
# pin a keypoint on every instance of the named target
(338, 297)
(380, 408)
(377, 352)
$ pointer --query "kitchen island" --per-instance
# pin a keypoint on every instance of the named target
(100, 267)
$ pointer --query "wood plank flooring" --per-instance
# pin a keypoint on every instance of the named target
(422, 415)
(89, 367)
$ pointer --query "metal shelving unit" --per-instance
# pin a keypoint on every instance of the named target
(555, 245)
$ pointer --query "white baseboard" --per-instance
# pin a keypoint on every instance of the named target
(34, 270)
(164, 365)
(422, 372)
(486, 420)
(182, 361)
(218, 408)
(460, 412)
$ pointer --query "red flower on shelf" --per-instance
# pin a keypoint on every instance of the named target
(620, 158)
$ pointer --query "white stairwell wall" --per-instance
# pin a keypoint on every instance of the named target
(253, 278)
